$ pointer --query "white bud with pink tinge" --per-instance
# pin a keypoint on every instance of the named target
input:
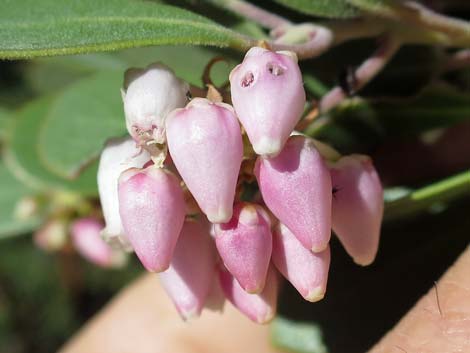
(52, 236)
(151, 204)
(245, 245)
(86, 238)
(296, 187)
(357, 207)
(305, 270)
(261, 307)
(268, 96)
(149, 95)
(206, 146)
(118, 155)
(192, 272)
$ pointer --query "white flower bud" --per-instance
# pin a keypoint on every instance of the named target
(117, 156)
(149, 95)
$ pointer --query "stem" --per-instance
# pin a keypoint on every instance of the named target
(420, 200)
(321, 39)
(417, 24)
(407, 21)
(416, 13)
(457, 61)
(254, 13)
(363, 75)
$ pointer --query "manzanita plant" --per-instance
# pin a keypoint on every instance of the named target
(205, 144)
(231, 190)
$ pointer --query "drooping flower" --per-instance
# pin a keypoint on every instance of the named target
(189, 279)
(117, 156)
(205, 144)
(149, 95)
(85, 234)
(151, 204)
(245, 245)
(261, 307)
(357, 207)
(296, 186)
(52, 236)
(306, 270)
(268, 96)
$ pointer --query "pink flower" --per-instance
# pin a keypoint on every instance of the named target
(87, 240)
(117, 156)
(357, 207)
(307, 271)
(268, 96)
(189, 279)
(149, 95)
(52, 236)
(296, 186)
(151, 204)
(245, 245)
(206, 146)
(261, 307)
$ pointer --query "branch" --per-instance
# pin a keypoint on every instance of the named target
(254, 13)
(307, 40)
(445, 190)
(457, 61)
(418, 24)
(416, 13)
(407, 21)
(315, 40)
(363, 75)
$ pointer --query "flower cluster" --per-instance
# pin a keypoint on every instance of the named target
(174, 192)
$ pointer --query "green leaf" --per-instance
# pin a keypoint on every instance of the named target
(314, 85)
(79, 121)
(382, 7)
(90, 111)
(360, 124)
(322, 8)
(177, 59)
(52, 74)
(423, 199)
(12, 191)
(4, 119)
(22, 158)
(73, 27)
(47, 75)
(435, 107)
(297, 336)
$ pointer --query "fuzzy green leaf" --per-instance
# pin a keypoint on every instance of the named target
(22, 158)
(4, 119)
(297, 337)
(12, 191)
(419, 200)
(79, 121)
(375, 7)
(47, 75)
(435, 107)
(90, 111)
(29, 29)
(322, 8)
